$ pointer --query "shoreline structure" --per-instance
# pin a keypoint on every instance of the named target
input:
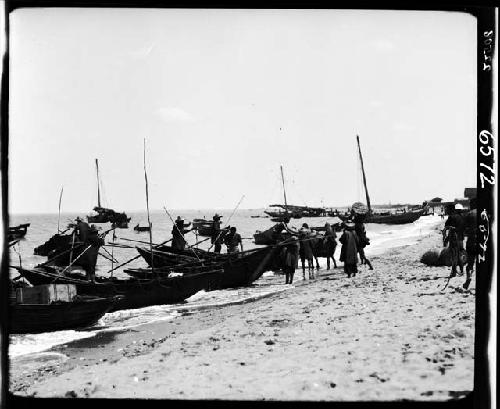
(387, 334)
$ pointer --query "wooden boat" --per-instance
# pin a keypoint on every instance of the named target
(386, 218)
(62, 250)
(205, 228)
(17, 232)
(136, 293)
(141, 228)
(270, 236)
(36, 318)
(105, 215)
(239, 269)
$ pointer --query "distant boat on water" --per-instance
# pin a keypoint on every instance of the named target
(105, 215)
(17, 232)
(138, 228)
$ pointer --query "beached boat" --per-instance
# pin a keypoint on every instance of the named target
(105, 215)
(385, 218)
(37, 309)
(239, 269)
(135, 293)
(17, 232)
(63, 250)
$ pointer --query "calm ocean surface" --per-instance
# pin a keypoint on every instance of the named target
(43, 226)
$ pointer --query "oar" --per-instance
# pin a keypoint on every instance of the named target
(112, 257)
(182, 235)
(137, 241)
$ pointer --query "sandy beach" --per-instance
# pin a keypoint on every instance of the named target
(387, 334)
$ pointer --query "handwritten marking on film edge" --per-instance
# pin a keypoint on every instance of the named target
(488, 176)
(485, 138)
(487, 50)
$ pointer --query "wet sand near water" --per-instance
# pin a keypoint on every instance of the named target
(387, 334)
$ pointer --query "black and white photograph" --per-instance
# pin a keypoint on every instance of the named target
(249, 204)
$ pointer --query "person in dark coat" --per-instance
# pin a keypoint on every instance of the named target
(82, 230)
(178, 231)
(216, 238)
(360, 230)
(349, 251)
(453, 237)
(290, 254)
(231, 240)
(470, 231)
(88, 251)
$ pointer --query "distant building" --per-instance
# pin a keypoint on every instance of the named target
(470, 192)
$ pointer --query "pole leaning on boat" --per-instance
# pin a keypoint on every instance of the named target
(364, 177)
(59, 215)
(284, 191)
(147, 208)
(98, 184)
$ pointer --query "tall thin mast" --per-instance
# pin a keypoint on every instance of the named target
(147, 207)
(59, 215)
(98, 184)
(364, 177)
(284, 191)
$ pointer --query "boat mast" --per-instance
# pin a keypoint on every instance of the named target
(284, 191)
(364, 177)
(147, 208)
(98, 187)
(59, 215)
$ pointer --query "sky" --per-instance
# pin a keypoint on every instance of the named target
(224, 97)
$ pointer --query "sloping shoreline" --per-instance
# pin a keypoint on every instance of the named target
(387, 334)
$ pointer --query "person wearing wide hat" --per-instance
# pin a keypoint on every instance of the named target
(216, 238)
(349, 251)
(178, 231)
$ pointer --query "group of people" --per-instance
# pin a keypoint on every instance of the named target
(219, 236)
(303, 243)
(461, 224)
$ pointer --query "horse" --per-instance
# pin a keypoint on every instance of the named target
(324, 247)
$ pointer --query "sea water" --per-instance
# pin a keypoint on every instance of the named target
(43, 226)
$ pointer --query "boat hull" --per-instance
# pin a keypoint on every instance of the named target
(37, 318)
(135, 293)
(401, 218)
(240, 269)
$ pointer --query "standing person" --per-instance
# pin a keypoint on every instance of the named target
(82, 230)
(87, 256)
(216, 237)
(349, 251)
(470, 231)
(178, 231)
(360, 230)
(453, 237)
(232, 240)
(330, 244)
(290, 259)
